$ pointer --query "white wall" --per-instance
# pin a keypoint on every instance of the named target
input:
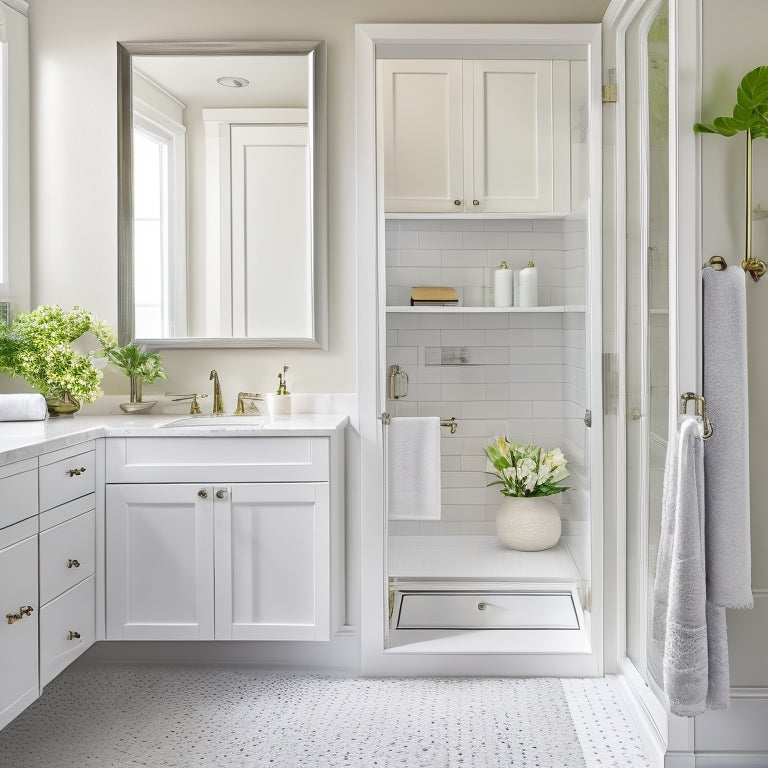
(734, 43)
(74, 203)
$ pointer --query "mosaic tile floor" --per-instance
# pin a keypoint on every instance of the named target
(220, 717)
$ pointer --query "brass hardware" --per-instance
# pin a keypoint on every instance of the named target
(450, 423)
(221, 494)
(194, 406)
(755, 267)
(481, 606)
(457, 202)
(398, 383)
(24, 610)
(73, 563)
(718, 263)
(76, 471)
(73, 635)
(218, 402)
(202, 494)
(386, 419)
(475, 202)
(701, 411)
(609, 93)
(282, 389)
(242, 397)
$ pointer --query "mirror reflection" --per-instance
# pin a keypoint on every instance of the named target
(221, 242)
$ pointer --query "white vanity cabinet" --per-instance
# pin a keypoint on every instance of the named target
(19, 614)
(489, 136)
(222, 538)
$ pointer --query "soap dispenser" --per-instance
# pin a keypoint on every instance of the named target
(279, 404)
(529, 286)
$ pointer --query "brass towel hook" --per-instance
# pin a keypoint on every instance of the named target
(701, 410)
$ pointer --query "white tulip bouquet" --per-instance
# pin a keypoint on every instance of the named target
(526, 470)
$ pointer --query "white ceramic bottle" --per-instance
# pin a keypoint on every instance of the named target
(529, 286)
(502, 286)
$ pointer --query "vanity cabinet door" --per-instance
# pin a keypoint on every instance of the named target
(273, 562)
(159, 555)
(19, 685)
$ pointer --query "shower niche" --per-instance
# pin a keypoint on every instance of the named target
(486, 156)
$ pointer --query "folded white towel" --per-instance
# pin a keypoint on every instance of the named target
(413, 468)
(695, 645)
(726, 453)
(22, 407)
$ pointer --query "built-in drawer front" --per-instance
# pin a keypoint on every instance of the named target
(18, 491)
(66, 475)
(67, 553)
(487, 610)
(217, 459)
(67, 628)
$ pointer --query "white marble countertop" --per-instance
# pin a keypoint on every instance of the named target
(25, 439)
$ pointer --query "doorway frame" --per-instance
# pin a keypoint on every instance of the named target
(372, 347)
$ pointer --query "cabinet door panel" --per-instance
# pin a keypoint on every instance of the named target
(18, 641)
(421, 111)
(511, 142)
(159, 562)
(272, 563)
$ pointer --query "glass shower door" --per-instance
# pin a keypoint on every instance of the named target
(647, 323)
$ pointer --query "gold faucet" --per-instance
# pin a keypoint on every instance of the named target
(242, 397)
(281, 381)
(218, 402)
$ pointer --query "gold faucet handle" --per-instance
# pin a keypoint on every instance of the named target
(250, 396)
(194, 406)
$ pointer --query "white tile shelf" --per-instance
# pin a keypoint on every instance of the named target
(473, 310)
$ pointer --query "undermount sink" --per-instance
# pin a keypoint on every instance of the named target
(225, 420)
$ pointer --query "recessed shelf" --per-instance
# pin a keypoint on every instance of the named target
(475, 310)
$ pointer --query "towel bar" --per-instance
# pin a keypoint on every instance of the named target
(756, 267)
(450, 423)
(701, 410)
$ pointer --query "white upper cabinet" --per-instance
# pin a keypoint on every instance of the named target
(475, 136)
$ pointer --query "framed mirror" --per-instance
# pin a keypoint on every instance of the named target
(222, 219)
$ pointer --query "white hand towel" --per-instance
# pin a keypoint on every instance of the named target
(726, 453)
(695, 646)
(22, 408)
(413, 468)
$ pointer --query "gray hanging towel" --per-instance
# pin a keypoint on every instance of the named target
(726, 453)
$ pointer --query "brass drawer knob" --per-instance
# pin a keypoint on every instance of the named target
(75, 471)
(24, 610)
(457, 202)
(73, 635)
(475, 202)
(73, 563)
(481, 606)
(221, 494)
(203, 494)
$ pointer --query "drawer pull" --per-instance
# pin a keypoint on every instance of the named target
(75, 472)
(24, 610)
(481, 606)
(221, 494)
(73, 635)
(73, 563)
(203, 494)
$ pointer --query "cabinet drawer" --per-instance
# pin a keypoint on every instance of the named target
(67, 628)
(67, 555)
(18, 491)
(66, 478)
(217, 459)
(487, 610)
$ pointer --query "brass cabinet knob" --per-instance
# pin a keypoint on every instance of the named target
(73, 563)
(24, 610)
(475, 202)
(221, 494)
(481, 606)
(202, 494)
(457, 202)
(75, 471)
(73, 635)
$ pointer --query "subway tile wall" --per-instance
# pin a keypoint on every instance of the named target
(523, 375)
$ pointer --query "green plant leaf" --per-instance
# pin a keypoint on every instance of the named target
(753, 89)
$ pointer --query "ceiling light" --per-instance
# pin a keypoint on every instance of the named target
(233, 82)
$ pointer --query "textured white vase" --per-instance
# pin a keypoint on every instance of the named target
(528, 523)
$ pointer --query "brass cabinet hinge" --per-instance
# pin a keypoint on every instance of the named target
(609, 93)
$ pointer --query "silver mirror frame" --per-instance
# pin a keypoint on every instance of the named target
(125, 261)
